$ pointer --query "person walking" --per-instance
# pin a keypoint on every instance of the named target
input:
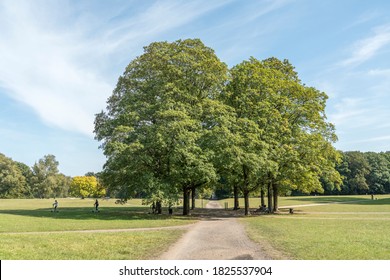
(55, 205)
(96, 204)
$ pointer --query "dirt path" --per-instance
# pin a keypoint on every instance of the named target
(215, 239)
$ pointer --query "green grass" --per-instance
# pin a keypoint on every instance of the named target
(87, 246)
(323, 227)
(29, 230)
(254, 202)
(31, 215)
(357, 230)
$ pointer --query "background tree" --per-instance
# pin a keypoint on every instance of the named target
(12, 182)
(44, 179)
(86, 186)
(62, 186)
(355, 169)
(378, 178)
(28, 176)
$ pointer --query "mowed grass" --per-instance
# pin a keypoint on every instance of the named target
(29, 230)
(322, 227)
(343, 228)
(302, 201)
(31, 215)
(87, 246)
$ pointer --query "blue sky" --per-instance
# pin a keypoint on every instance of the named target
(60, 61)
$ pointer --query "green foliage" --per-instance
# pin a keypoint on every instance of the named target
(12, 182)
(44, 179)
(295, 141)
(177, 121)
(17, 180)
(153, 132)
(364, 173)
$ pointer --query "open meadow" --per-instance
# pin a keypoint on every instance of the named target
(326, 227)
(30, 230)
(322, 227)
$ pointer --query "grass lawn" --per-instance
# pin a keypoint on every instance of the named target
(31, 215)
(87, 246)
(254, 202)
(357, 230)
(29, 230)
(322, 227)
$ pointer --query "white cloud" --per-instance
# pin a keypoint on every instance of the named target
(346, 110)
(58, 62)
(367, 48)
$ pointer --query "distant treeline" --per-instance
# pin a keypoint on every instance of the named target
(43, 180)
(362, 173)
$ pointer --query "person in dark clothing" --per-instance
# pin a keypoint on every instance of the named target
(96, 204)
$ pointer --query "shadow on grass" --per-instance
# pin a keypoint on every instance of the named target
(106, 213)
(124, 213)
(143, 213)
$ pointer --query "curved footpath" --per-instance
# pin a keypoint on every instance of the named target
(215, 239)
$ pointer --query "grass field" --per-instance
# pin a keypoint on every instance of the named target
(29, 230)
(322, 227)
(327, 228)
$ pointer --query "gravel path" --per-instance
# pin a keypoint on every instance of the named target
(215, 239)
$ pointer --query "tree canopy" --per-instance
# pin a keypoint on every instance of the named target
(178, 119)
(42, 180)
(12, 182)
(153, 128)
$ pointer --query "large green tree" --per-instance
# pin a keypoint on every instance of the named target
(12, 182)
(152, 132)
(293, 125)
(378, 179)
(45, 177)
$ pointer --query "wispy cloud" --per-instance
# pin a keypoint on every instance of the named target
(367, 48)
(348, 112)
(59, 65)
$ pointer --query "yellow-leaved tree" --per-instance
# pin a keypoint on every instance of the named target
(86, 186)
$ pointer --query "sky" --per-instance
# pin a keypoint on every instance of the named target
(60, 61)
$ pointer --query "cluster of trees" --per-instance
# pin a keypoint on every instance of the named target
(179, 121)
(43, 180)
(363, 173)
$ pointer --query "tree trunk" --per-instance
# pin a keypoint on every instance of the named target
(275, 195)
(186, 201)
(236, 202)
(193, 198)
(245, 190)
(246, 199)
(262, 193)
(158, 207)
(269, 189)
